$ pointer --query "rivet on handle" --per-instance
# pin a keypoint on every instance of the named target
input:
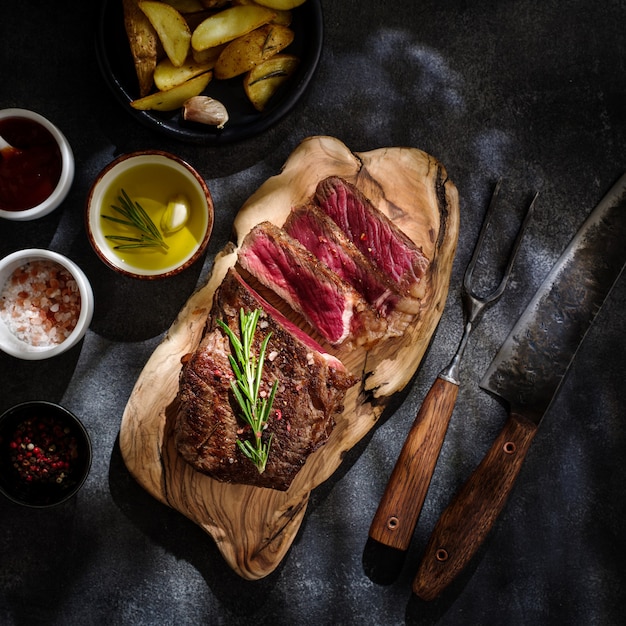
(509, 447)
(441, 554)
(393, 522)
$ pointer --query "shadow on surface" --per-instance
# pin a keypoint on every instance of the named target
(185, 540)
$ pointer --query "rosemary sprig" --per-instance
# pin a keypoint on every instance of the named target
(275, 74)
(135, 217)
(246, 385)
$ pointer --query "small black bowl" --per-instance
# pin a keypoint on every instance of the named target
(45, 454)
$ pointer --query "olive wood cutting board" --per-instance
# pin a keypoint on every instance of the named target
(254, 527)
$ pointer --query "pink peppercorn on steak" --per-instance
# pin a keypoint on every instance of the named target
(183, 437)
(310, 391)
(353, 277)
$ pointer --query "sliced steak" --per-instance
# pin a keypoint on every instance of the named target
(311, 391)
(319, 234)
(373, 233)
(335, 309)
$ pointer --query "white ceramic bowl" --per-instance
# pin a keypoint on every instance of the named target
(9, 341)
(67, 168)
(150, 178)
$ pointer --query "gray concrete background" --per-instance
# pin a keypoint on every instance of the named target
(534, 92)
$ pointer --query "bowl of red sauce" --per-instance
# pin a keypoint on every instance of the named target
(46, 304)
(45, 454)
(37, 172)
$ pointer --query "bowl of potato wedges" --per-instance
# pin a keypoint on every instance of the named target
(209, 71)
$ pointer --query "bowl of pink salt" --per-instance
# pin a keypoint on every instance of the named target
(46, 304)
(45, 454)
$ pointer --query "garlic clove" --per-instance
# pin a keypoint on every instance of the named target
(205, 110)
(175, 215)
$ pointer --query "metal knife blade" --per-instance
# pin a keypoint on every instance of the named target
(531, 364)
(527, 373)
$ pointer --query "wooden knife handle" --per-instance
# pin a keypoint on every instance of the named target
(468, 519)
(399, 508)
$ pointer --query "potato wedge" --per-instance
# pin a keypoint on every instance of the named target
(228, 25)
(262, 82)
(195, 19)
(173, 98)
(167, 76)
(210, 55)
(171, 27)
(281, 5)
(283, 18)
(214, 4)
(250, 50)
(185, 6)
(142, 39)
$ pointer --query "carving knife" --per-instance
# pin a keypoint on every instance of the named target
(527, 373)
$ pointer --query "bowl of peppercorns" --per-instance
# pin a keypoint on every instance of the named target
(45, 454)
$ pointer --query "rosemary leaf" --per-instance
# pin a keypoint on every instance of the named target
(135, 217)
(246, 386)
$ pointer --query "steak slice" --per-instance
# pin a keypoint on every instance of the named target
(332, 307)
(373, 233)
(311, 391)
(319, 234)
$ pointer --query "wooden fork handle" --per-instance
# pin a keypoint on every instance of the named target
(394, 522)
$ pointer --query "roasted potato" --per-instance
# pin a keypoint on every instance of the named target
(171, 27)
(229, 24)
(173, 98)
(167, 75)
(250, 50)
(282, 17)
(262, 82)
(214, 4)
(179, 45)
(185, 6)
(142, 39)
(281, 5)
(210, 55)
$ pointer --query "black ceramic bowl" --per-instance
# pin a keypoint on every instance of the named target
(45, 454)
(116, 65)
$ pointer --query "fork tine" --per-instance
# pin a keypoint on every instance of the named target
(469, 271)
(516, 246)
(467, 279)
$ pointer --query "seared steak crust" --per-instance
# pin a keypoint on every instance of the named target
(311, 390)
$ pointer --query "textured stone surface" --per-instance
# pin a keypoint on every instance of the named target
(532, 92)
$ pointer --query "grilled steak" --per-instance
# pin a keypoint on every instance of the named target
(336, 310)
(319, 234)
(373, 233)
(311, 391)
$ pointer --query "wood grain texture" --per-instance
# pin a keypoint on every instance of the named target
(399, 508)
(468, 519)
(254, 527)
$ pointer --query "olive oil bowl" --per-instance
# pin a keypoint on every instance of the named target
(149, 215)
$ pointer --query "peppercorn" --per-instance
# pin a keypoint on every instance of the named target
(42, 451)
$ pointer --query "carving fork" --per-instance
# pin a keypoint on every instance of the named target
(394, 523)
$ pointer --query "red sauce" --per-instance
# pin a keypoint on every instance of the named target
(30, 175)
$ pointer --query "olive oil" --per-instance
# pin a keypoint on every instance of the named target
(153, 186)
